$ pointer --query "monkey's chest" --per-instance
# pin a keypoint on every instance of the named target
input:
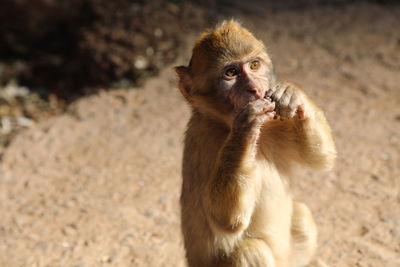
(274, 206)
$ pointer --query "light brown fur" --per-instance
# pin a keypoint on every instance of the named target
(237, 209)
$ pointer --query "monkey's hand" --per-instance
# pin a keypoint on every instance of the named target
(309, 137)
(289, 100)
(253, 115)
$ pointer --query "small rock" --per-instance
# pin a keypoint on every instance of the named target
(12, 90)
(149, 213)
(107, 259)
(365, 90)
(6, 125)
(24, 121)
(173, 8)
(70, 230)
(22, 220)
(395, 232)
(149, 51)
(141, 63)
(33, 236)
(364, 230)
(375, 177)
(42, 245)
(166, 45)
(385, 156)
(392, 220)
(162, 221)
(163, 200)
(158, 33)
(65, 244)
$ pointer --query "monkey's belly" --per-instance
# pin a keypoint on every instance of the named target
(271, 220)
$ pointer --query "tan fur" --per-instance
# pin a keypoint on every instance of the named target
(237, 209)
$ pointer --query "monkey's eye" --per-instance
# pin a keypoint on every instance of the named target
(230, 73)
(255, 65)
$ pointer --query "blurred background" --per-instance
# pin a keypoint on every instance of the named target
(91, 124)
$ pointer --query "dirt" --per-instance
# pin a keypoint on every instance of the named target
(54, 52)
(73, 48)
(99, 185)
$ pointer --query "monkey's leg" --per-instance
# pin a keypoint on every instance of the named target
(250, 252)
(304, 234)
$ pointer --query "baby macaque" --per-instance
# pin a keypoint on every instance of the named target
(237, 208)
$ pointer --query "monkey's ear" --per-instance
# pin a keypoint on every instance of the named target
(185, 81)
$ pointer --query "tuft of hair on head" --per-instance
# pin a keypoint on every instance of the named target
(227, 41)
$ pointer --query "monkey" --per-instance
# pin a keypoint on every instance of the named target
(246, 132)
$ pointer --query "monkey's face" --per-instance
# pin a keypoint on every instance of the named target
(222, 87)
(244, 81)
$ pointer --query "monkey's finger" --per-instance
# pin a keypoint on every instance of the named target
(278, 92)
(291, 113)
(265, 117)
(269, 106)
(268, 94)
(272, 90)
(254, 108)
(284, 103)
(293, 106)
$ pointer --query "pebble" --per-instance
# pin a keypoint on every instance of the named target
(5, 125)
(163, 200)
(24, 121)
(42, 245)
(69, 230)
(158, 33)
(375, 177)
(149, 51)
(65, 245)
(392, 220)
(149, 213)
(385, 156)
(107, 259)
(12, 90)
(395, 232)
(173, 8)
(141, 63)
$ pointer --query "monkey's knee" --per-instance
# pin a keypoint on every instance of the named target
(250, 252)
(304, 234)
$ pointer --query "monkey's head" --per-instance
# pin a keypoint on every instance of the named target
(228, 69)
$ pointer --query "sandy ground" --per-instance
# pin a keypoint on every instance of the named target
(99, 186)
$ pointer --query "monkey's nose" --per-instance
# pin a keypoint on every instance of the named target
(256, 92)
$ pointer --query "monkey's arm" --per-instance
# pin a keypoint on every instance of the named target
(304, 135)
(232, 188)
(231, 192)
